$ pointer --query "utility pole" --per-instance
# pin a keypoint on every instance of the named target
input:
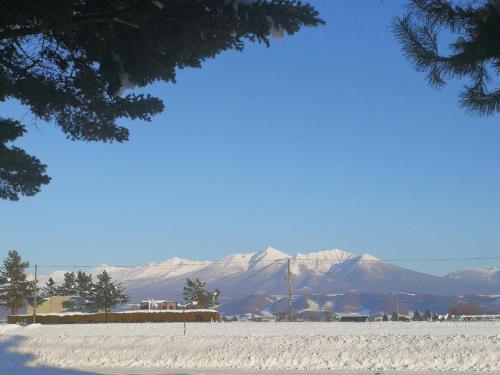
(289, 278)
(34, 294)
(397, 309)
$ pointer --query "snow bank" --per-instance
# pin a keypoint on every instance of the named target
(418, 346)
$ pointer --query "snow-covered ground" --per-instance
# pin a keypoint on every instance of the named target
(383, 346)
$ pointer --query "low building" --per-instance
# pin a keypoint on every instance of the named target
(158, 305)
(352, 318)
(405, 318)
(58, 304)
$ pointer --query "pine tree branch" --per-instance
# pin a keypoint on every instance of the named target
(21, 32)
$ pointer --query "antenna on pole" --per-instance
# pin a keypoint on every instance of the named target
(288, 277)
(35, 282)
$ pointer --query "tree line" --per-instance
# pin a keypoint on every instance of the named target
(17, 290)
(417, 316)
(81, 284)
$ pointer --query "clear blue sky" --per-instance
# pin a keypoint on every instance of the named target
(327, 139)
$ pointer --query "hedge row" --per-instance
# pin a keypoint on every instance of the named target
(129, 317)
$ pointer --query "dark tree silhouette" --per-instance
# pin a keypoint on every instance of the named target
(83, 284)
(106, 294)
(417, 316)
(20, 173)
(197, 296)
(69, 62)
(474, 52)
(68, 287)
(50, 288)
(427, 315)
(14, 286)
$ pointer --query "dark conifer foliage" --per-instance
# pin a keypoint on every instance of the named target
(197, 296)
(20, 173)
(50, 288)
(69, 62)
(106, 294)
(68, 287)
(427, 315)
(14, 286)
(83, 284)
(474, 53)
(417, 316)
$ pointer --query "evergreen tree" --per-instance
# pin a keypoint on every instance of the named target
(69, 62)
(68, 287)
(31, 290)
(50, 288)
(14, 286)
(83, 284)
(106, 294)
(196, 295)
(394, 317)
(385, 318)
(20, 173)
(474, 52)
(428, 315)
(416, 316)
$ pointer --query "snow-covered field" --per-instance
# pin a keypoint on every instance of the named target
(301, 346)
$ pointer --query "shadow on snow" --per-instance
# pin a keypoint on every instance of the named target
(12, 362)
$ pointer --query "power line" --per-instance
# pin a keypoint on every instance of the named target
(183, 264)
(400, 259)
(278, 261)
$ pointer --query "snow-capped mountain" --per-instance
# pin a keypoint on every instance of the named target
(323, 274)
(478, 279)
(491, 275)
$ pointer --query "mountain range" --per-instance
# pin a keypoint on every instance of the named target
(335, 280)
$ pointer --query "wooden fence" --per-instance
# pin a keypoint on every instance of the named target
(120, 317)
